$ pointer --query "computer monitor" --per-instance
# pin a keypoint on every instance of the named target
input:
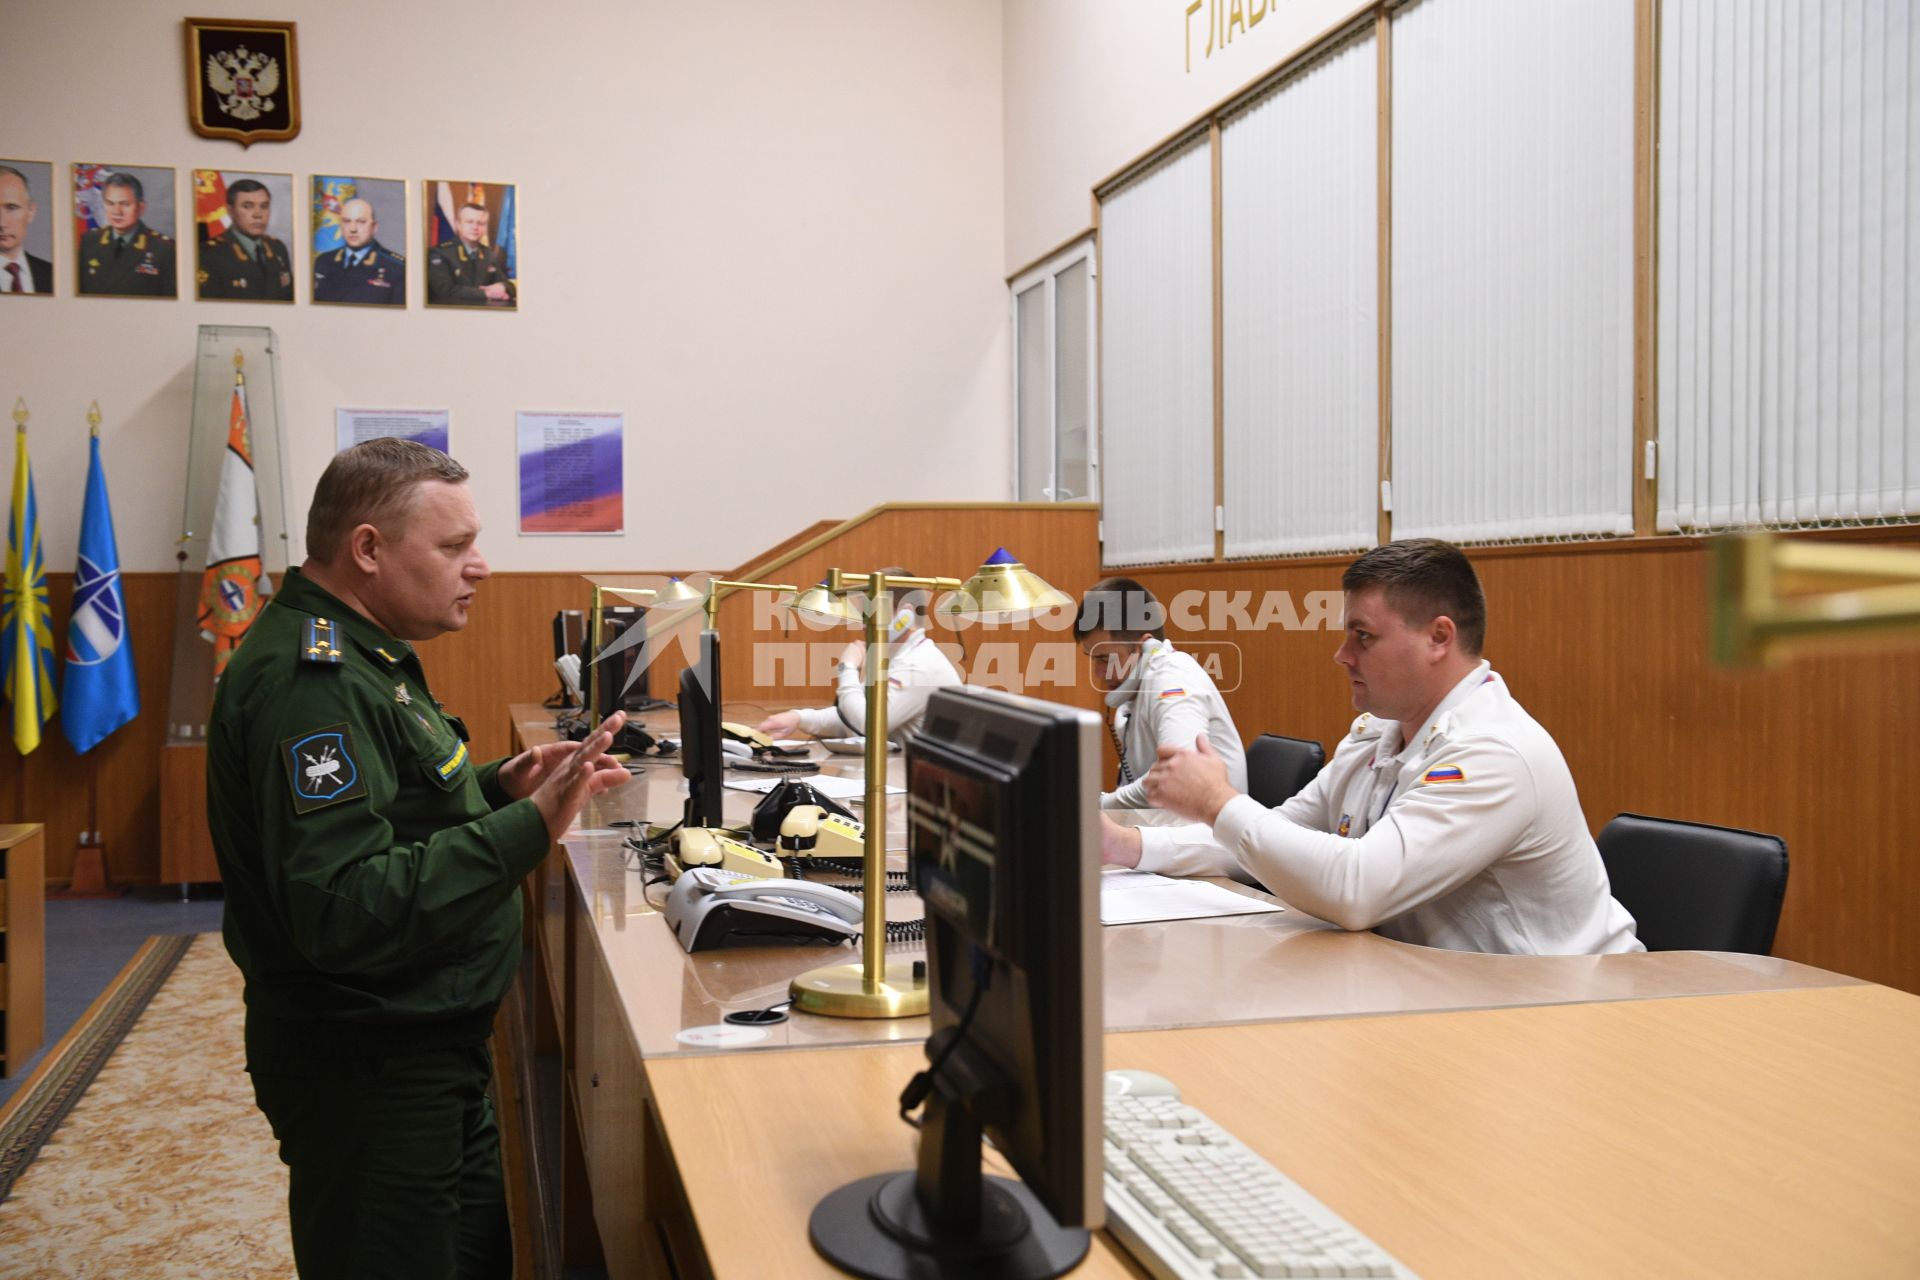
(700, 753)
(1003, 845)
(610, 681)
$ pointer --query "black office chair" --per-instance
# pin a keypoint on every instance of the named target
(1694, 887)
(1278, 767)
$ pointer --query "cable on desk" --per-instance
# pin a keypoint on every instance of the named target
(922, 1083)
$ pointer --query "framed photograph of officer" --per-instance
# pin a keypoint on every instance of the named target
(355, 220)
(472, 246)
(123, 231)
(26, 237)
(242, 224)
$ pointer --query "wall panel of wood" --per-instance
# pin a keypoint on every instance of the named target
(1606, 645)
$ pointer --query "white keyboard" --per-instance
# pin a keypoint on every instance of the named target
(1191, 1202)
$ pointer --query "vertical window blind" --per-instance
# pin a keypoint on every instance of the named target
(1512, 282)
(1156, 362)
(1299, 191)
(1789, 240)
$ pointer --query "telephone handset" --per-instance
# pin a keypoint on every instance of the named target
(709, 908)
(705, 847)
(808, 831)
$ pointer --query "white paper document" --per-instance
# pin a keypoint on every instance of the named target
(1134, 897)
(831, 787)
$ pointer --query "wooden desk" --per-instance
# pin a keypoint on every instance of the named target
(622, 991)
(1770, 1134)
(23, 941)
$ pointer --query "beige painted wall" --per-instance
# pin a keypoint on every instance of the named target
(770, 233)
(1091, 85)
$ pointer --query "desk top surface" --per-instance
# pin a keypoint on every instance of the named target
(1158, 975)
(1759, 1135)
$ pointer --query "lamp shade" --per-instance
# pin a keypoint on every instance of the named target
(678, 592)
(822, 605)
(1004, 590)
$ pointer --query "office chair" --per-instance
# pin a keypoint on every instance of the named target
(1278, 767)
(1694, 887)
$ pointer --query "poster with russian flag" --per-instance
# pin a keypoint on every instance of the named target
(570, 475)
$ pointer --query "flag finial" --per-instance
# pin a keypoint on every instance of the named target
(93, 417)
(20, 412)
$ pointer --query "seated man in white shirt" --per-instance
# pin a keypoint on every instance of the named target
(1160, 696)
(1447, 816)
(915, 668)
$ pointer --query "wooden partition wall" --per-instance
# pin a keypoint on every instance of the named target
(1606, 645)
(505, 655)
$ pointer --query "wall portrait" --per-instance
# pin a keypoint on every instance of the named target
(26, 228)
(359, 226)
(472, 245)
(123, 231)
(243, 223)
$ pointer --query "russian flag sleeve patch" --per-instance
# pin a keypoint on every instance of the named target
(1445, 773)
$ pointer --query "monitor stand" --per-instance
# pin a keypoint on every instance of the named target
(970, 1225)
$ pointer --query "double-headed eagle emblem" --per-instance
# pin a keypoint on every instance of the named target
(245, 81)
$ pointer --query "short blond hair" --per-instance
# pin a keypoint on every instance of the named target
(372, 483)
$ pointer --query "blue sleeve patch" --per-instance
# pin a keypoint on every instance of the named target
(323, 768)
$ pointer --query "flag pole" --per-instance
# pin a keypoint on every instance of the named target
(89, 878)
(20, 774)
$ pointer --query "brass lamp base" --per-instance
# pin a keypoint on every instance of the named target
(840, 991)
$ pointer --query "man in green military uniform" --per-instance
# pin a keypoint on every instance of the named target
(470, 272)
(127, 257)
(373, 876)
(246, 262)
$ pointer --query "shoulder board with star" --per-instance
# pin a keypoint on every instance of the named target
(1364, 727)
(319, 643)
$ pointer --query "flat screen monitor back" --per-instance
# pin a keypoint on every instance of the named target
(700, 754)
(1003, 844)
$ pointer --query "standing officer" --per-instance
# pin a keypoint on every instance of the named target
(373, 876)
(127, 257)
(363, 270)
(469, 272)
(246, 262)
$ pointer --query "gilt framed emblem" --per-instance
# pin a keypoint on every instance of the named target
(243, 80)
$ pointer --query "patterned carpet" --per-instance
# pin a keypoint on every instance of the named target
(163, 1168)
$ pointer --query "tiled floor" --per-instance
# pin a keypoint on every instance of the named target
(88, 940)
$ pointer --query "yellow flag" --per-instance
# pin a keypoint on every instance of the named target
(26, 630)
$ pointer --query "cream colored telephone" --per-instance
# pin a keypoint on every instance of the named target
(705, 847)
(808, 831)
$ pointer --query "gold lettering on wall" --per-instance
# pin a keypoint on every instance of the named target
(1225, 21)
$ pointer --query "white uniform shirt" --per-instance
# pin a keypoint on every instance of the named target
(1168, 699)
(915, 668)
(1467, 835)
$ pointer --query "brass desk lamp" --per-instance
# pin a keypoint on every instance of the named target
(1003, 590)
(1772, 596)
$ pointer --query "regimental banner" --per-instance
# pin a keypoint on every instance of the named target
(243, 80)
(235, 582)
(102, 690)
(570, 473)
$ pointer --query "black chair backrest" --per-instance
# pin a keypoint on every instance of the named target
(1278, 767)
(1693, 887)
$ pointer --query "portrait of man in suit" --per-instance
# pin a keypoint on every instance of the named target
(24, 273)
(471, 254)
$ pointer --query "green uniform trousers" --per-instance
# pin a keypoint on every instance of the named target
(395, 1162)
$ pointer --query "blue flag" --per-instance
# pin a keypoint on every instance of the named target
(26, 633)
(101, 693)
